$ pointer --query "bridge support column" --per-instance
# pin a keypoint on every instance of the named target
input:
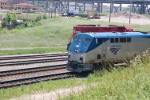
(38, 3)
(80, 7)
(116, 9)
(120, 7)
(140, 8)
(33, 2)
(98, 6)
(64, 7)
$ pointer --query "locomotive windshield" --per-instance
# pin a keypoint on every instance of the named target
(78, 38)
(80, 44)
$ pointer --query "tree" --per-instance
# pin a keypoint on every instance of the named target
(34, 8)
(11, 7)
(10, 19)
(19, 7)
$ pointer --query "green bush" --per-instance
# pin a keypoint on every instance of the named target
(14, 22)
(83, 15)
(104, 14)
(34, 8)
(44, 17)
(38, 18)
(25, 24)
(28, 24)
(10, 19)
(4, 23)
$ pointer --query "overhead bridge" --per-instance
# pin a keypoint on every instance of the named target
(137, 6)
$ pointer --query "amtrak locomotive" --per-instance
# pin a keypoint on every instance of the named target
(88, 49)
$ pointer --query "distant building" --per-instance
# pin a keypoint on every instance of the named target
(4, 4)
(24, 6)
(15, 1)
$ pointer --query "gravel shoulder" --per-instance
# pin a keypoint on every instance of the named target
(140, 21)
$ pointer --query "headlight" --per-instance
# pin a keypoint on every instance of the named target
(75, 50)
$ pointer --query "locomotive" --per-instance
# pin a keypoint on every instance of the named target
(88, 49)
(97, 28)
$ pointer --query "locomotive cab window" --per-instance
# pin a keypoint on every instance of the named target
(122, 39)
(98, 40)
(112, 40)
(98, 56)
(116, 40)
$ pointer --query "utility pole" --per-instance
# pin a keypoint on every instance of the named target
(27, 10)
(130, 13)
(110, 10)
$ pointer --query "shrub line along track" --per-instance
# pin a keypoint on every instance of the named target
(17, 77)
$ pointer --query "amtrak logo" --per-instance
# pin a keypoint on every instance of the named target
(114, 50)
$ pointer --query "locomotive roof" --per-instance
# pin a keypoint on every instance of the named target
(116, 34)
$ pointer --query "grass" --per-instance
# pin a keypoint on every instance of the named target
(119, 84)
(52, 32)
(32, 51)
(147, 15)
(41, 87)
(104, 14)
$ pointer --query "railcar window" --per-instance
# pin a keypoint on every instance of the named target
(120, 28)
(122, 39)
(107, 28)
(116, 40)
(112, 40)
(128, 39)
(99, 40)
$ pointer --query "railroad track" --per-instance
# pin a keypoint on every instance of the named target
(31, 80)
(10, 63)
(31, 70)
(31, 59)
(28, 75)
(32, 56)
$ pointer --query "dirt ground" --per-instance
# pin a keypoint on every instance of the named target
(125, 20)
(123, 17)
(52, 95)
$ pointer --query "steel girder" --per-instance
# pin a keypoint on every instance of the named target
(138, 6)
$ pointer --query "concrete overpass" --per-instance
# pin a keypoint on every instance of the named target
(137, 6)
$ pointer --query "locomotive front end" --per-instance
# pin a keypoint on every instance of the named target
(77, 53)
